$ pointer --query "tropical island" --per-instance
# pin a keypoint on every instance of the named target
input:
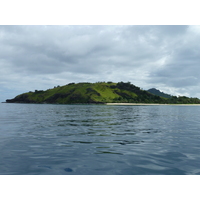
(100, 93)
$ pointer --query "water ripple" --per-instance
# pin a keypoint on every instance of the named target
(99, 139)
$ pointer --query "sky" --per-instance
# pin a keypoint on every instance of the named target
(40, 57)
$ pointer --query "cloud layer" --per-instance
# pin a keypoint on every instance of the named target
(39, 57)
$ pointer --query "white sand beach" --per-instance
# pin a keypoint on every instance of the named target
(149, 104)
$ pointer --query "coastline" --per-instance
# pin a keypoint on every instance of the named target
(148, 104)
(111, 104)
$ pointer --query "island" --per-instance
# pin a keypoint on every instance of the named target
(100, 93)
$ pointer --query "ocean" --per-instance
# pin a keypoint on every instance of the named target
(48, 139)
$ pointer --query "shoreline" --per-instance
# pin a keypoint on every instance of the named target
(148, 104)
(111, 104)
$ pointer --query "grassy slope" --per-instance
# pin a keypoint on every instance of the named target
(100, 92)
(77, 93)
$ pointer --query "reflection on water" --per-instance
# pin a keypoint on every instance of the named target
(99, 139)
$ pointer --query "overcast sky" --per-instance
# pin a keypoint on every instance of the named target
(41, 57)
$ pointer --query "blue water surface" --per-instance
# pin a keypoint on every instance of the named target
(41, 139)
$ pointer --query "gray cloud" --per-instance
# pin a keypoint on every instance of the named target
(181, 68)
(38, 57)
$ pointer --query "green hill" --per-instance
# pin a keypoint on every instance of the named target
(159, 93)
(100, 92)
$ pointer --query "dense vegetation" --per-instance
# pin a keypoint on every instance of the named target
(100, 92)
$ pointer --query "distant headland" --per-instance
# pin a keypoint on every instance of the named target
(100, 93)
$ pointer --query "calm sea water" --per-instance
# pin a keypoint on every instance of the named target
(99, 139)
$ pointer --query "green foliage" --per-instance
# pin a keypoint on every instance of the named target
(100, 92)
